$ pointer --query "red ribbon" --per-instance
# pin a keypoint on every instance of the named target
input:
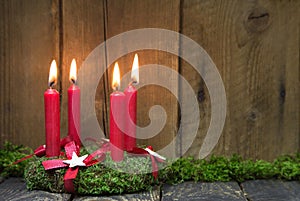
(98, 156)
(154, 159)
(71, 173)
(64, 141)
(41, 150)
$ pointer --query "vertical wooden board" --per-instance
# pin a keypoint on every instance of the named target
(255, 46)
(82, 32)
(123, 16)
(288, 87)
(28, 38)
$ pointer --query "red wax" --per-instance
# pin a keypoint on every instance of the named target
(116, 136)
(130, 118)
(52, 122)
(74, 113)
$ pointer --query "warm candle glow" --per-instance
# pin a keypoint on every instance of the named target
(73, 74)
(52, 74)
(135, 69)
(116, 77)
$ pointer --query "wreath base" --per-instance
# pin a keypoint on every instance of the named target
(133, 174)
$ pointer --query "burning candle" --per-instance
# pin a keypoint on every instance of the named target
(130, 107)
(74, 106)
(117, 100)
(52, 121)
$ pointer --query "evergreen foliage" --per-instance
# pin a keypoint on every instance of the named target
(8, 155)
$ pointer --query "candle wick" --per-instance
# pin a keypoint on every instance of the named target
(115, 87)
(133, 82)
(51, 84)
(73, 81)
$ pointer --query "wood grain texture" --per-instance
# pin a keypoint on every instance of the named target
(255, 46)
(203, 191)
(15, 189)
(152, 195)
(123, 16)
(264, 190)
(82, 32)
(29, 40)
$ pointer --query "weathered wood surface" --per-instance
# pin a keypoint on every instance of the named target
(82, 31)
(29, 41)
(15, 189)
(81, 36)
(255, 46)
(265, 190)
(257, 190)
(152, 195)
(203, 191)
(123, 16)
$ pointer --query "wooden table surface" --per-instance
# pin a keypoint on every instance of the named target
(257, 190)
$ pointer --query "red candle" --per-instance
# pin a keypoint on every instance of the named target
(74, 106)
(52, 121)
(130, 108)
(117, 100)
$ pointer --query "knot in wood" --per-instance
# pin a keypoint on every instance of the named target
(252, 115)
(282, 94)
(201, 95)
(257, 20)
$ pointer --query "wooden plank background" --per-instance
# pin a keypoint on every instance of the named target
(29, 36)
(254, 44)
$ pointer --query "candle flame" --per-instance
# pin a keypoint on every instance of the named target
(73, 74)
(135, 69)
(116, 77)
(52, 74)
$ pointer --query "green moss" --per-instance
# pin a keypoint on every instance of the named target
(231, 169)
(288, 167)
(108, 178)
(130, 175)
(37, 178)
(8, 155)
